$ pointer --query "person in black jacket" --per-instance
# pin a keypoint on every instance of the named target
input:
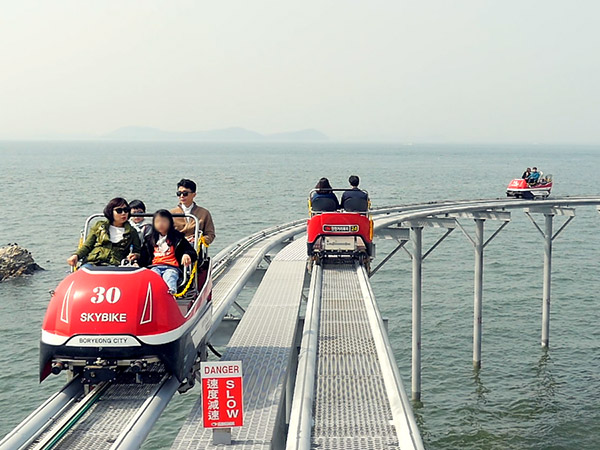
(323, 190)
(166, 250)
(355, 192)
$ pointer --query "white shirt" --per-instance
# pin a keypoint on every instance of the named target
(162, 247)
(116, 233)
(187, 210)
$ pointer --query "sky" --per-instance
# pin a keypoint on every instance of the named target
(503, 71)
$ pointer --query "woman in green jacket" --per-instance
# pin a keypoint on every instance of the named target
(112, 240)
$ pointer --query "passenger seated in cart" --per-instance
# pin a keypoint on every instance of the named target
(142, 227)
(534, 176)
(166, 250)
(526, 173)
(110, 240)
(324, 199)
(186, 193)
(355, 199)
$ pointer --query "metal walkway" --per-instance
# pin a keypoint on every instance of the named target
(265, 343)
(241, 265)
(348, 394)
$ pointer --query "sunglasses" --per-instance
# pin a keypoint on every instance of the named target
(183, 193)
(122, 210)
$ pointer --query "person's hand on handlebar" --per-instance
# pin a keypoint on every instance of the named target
(73, 260)
(186, 260)
(132, 257)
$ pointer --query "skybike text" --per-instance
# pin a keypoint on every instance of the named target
(103, 317)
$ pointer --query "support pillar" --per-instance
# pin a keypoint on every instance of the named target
(417, 252)
(478, 292)
(547, 279)
(548, 235)
(479, 244)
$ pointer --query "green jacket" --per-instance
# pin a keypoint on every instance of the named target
(99, 250)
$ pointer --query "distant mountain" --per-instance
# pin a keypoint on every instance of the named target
(233, 134)
(309, 134)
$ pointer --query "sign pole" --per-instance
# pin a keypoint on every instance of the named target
(221, 436)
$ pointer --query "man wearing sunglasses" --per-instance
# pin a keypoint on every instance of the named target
(186, 193)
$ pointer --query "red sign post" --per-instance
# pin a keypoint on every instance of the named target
(222, 402)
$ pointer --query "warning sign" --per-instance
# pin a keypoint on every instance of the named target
(222, 405)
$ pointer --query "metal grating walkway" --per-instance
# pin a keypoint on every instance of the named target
(264, 342)
(235, 276)
(348, 394)
(351, 407)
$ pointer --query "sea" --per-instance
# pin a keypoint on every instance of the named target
(523, 397)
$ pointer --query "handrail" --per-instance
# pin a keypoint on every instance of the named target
(299, 430)
(225, 256)
(197, 236)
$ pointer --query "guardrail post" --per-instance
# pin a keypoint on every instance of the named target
(417, 251)
(478, 293)
(547, 279)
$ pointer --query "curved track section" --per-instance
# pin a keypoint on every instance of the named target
(392, 215)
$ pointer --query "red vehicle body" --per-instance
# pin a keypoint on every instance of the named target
(340, 234)
(519, 188)
(104, 320)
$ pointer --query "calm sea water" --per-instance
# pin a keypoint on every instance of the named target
(523, 397)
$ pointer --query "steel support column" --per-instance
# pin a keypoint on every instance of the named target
(416, 236)
(549, 235)
(478, 292)
(479, 244)
(547, 279)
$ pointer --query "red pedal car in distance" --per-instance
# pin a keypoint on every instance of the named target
(108, 323)
(519, 188)
(343, 235)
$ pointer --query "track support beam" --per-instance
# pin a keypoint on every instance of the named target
(417, 257)
(478, 293)
(479, 244)
(548, 235)
(417, 262)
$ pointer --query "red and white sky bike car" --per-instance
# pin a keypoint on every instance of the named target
(109, 323)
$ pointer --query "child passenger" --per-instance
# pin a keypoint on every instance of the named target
(139, 223)
(167, 249)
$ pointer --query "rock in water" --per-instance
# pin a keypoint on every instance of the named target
(16, 261)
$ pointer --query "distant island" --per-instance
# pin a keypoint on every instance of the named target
(233, 134)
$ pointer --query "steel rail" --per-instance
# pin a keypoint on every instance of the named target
(404, 420)
(300, 427)
(42, 417)
(68, 420)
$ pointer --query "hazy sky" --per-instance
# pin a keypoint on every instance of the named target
(456, 71)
